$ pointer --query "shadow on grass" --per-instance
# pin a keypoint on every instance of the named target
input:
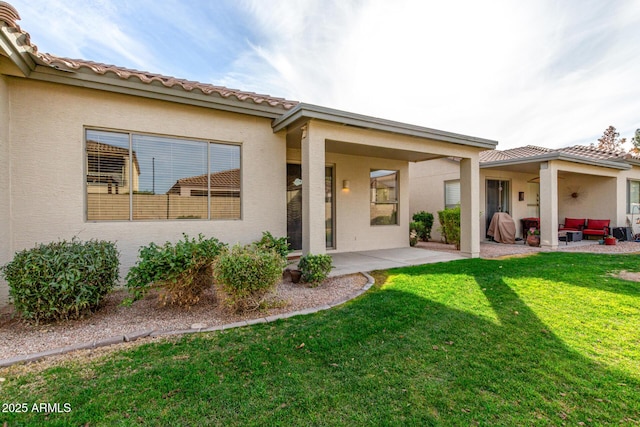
(395, 356)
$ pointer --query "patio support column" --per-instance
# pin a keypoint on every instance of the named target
(313, 192)
(470, 207)
(549, 205)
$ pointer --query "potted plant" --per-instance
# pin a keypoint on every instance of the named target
(610, 240)
(533, 237)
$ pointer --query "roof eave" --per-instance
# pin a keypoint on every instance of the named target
(308, 111)
(10, 44)
(88, 79)
(557, 156)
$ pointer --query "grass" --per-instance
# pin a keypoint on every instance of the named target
(551, 339)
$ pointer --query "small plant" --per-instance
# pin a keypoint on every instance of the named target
(61, 280)
(182, 270)
(315, 268)
(426, 219)
(533, 232)
(246, 274)
(442, 229)
(278, 244)
(450, 225)
(414, 232)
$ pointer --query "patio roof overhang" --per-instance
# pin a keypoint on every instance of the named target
(305, 112)
(532, 164)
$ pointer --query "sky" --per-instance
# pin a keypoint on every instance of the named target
(543, 72)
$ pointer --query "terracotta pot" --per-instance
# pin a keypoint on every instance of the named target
(296, 275)
(610, 241)
(533, 240)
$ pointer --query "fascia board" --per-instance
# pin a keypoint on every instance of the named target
(556, 156)
(307, 111)
(23, 61)
(145, 90)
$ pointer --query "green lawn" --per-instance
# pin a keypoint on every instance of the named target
(550, 339)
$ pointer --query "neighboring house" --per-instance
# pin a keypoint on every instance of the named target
(550, 184)
(99, 151)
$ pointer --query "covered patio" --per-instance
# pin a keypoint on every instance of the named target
(382, 259)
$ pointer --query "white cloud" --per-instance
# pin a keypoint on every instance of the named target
(546, 73)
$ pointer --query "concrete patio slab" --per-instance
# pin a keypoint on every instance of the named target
(354, 262)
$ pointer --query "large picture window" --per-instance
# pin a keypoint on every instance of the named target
(384, 196)
(144, 177)
(633, 197)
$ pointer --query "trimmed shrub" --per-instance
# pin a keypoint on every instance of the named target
(315, 268)
(426, 219)
(182, 271)
(61, 280)
(277, 244)
(246, 274)
(450, 225)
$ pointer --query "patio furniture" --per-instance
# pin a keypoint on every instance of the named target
(527, 224)
(596, 227)
(572, 224)
(502, 228)
(570, 236)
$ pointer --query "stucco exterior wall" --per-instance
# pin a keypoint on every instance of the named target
(518, 209)
(602, 192)
(426, 181)
(48, 188)
(5, 180)
(353, 230)
(627, 218)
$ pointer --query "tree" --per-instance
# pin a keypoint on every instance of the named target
(636, 142)
(610, 140)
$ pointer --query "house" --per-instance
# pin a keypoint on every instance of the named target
(549, 184)
(100, 151)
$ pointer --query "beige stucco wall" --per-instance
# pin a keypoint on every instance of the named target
(354, 231)
(624, 218)
(518, 209)
(48, 187)
(5, 201)
(602, 191)
(426, 182)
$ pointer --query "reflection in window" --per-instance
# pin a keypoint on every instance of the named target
(144, 177)
(633, 197)
(384, 196)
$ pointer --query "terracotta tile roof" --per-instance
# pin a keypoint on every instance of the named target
(101, 147)
(513, 153)
(167, 81)
(225, 180)
(594, 153)
(9, 15)
(584, 151)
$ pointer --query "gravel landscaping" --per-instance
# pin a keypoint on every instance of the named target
(114, 319)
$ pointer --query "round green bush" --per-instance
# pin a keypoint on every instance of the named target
(245, 274)
(315, 268)
(61, 280)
